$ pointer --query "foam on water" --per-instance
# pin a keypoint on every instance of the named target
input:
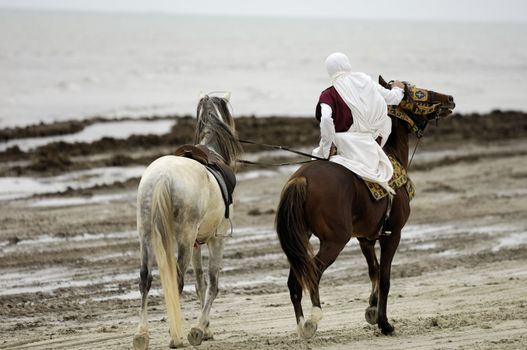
(128, 255)
(23, 187)
(131, 295)
(252, 282)
(424, 246)
(467, 150)
(455, 228)
(248, 234)
(49, 279)
(71, 201)
(256, 174)
(47, 241)
(513, 240)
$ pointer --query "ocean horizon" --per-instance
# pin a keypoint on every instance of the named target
(67, 65)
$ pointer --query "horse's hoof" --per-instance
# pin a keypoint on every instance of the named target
(174, 344)
(195, 337)
(371, 314)
(141, 341)
(387, 329)
(309, 329)
(208, 335)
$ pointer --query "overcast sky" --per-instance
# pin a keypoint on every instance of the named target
(458, 10)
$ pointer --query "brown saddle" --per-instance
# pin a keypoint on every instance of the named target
(221, 172)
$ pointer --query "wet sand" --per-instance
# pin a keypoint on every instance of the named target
(69, 259)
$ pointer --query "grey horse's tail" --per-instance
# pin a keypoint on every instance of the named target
(161, 219)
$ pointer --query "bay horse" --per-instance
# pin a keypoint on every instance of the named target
(180, 203)
(331, 202)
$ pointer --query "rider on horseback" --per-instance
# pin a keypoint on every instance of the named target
(354, 124)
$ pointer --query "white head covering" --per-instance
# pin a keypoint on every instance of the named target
(337, 63)
(360, 93)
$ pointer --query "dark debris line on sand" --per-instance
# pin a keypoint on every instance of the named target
(59, 157)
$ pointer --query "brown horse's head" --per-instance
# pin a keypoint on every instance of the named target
(419, 106)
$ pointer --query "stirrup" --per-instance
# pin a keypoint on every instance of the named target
(385, 232)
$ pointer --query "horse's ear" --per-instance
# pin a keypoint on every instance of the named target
(383, 82)
(227, 96)
(200, 95)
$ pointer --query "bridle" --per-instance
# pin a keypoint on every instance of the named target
(416, 101)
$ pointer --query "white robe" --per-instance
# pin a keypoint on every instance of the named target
(357, 149)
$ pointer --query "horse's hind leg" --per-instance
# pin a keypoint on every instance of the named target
(295, 293)
(326, 255)
(368, 250)
(141, 338)
(201, 331)
(185, 245)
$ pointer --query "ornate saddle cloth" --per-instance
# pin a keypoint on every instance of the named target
(400, 178)
(221, 172)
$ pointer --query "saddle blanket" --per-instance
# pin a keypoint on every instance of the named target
(227, 181)
(400, 178)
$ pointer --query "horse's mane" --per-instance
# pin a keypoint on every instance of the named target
(216, 125)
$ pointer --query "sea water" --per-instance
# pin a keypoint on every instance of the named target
(57, 66)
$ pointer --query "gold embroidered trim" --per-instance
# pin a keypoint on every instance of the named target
(399, 179)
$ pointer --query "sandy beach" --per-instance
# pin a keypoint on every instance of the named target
(69, 257)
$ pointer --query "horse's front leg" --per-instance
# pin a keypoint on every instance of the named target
(201, 331)
(389, 246)
(367, 247)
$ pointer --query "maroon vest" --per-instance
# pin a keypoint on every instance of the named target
(342, 117)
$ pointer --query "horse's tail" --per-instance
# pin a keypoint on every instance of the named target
(292, 230)
(161, 219)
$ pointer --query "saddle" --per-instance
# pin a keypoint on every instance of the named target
(399, 179)
(221, 172)
(199, 153)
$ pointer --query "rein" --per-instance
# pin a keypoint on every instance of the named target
(283, 148)
(413, 153)
(396, 112)
(243, 161)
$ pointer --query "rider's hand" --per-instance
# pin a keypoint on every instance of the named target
(398, 83)
(332, 150)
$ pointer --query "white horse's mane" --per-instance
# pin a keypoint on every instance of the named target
(215, 127)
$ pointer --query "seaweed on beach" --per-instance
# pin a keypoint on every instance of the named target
(58, 157)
